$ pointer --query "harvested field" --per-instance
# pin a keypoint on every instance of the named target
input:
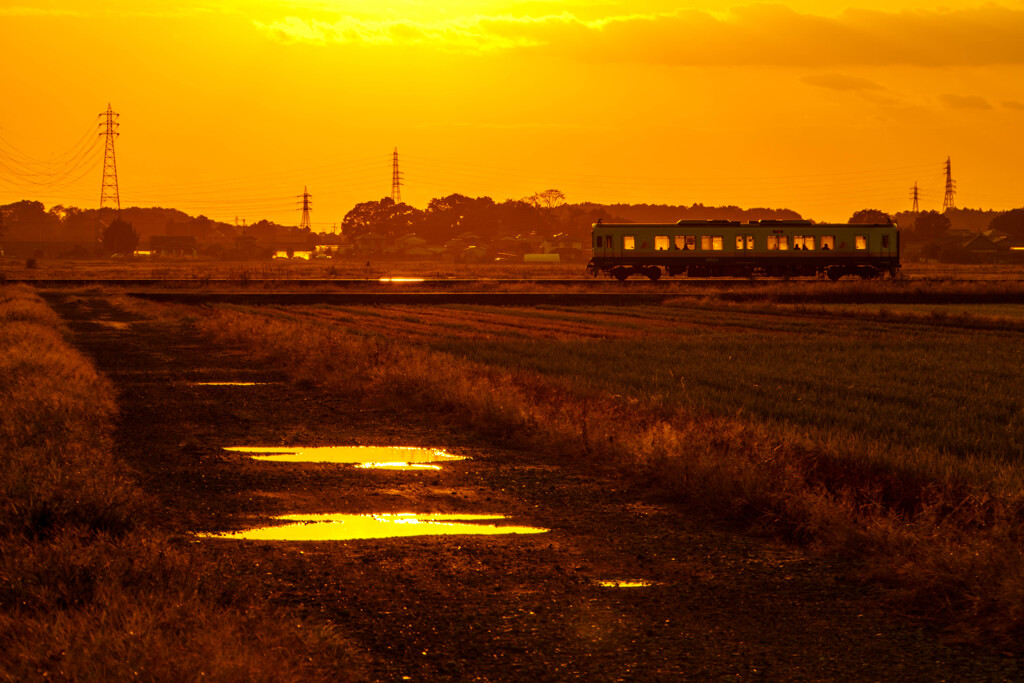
(800, 531)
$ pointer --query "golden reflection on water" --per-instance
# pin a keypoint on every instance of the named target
(376, 457)
(629, 583)
(342, 527)
(401, 279)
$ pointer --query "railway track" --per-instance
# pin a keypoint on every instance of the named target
(527, 292)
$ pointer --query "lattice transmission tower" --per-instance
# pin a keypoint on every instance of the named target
(947, 199)
(109, 196)
(396, 179)
(914, 194)
(307, 206)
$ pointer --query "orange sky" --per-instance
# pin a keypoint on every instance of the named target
(230, 108)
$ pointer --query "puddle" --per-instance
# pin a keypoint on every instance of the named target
(226, 384)
(369, 457)
(625, 583)
(116, 324)
(341, 527)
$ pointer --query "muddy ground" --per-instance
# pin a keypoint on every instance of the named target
(721, 604)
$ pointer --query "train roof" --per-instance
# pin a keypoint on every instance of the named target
(767, 223)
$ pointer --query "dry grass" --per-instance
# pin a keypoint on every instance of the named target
(85, 593)
(944, 528)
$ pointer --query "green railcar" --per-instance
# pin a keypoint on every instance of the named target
(766, 248)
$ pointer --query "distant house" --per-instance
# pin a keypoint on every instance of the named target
(568, 249)
(172, 245)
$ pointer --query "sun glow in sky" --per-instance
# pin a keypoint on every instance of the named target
(229, 109)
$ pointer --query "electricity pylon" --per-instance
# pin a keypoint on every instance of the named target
(914, 195)
(307, 205)
(396, 179)
(109, 196)
(947, 199)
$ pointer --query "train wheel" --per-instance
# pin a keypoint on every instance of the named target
(620, 273)
(653, 273)
(834, 273)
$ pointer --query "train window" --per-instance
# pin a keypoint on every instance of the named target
(691, 242)
(783, 243)
(809, 242)
(661, 243)
(828, 242)
(773, 242)
(750, 241)
(608, 241)
(705, 242)
(717, 242)
(598, 240)
(629, 242)
(885, 241)
(861, 241)
(798, 242)
(739, 241)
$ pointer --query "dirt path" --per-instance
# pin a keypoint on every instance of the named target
(515, 607)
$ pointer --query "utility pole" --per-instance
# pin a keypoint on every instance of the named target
(109, 196)
(947, 199)
(307, 204)
(914, 195)
(396, 179)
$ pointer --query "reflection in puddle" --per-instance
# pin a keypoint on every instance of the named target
(401, 279)
(226, 384)
(376, 457)
(340, 527)
(625, 583)
(116, 324)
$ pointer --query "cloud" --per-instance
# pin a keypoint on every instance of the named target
(964, 102)
(1019, 106)
(770, 35)
(835, 81)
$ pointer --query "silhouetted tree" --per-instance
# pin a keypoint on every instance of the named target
(930, 226)
(382, 216)
(871, 216)
(1011, 222)
(548, 199)
(120, 238)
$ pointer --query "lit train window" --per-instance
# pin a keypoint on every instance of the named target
(750, 241)
(629, 242)
(809, 242)
(661, 243)
(783, 243)
(691, 242)
(680, 242)
(716, 242)
(861, 241)
(705, 242)
(739, 241)
(828, 242)
(798, 242)
(773, 242)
